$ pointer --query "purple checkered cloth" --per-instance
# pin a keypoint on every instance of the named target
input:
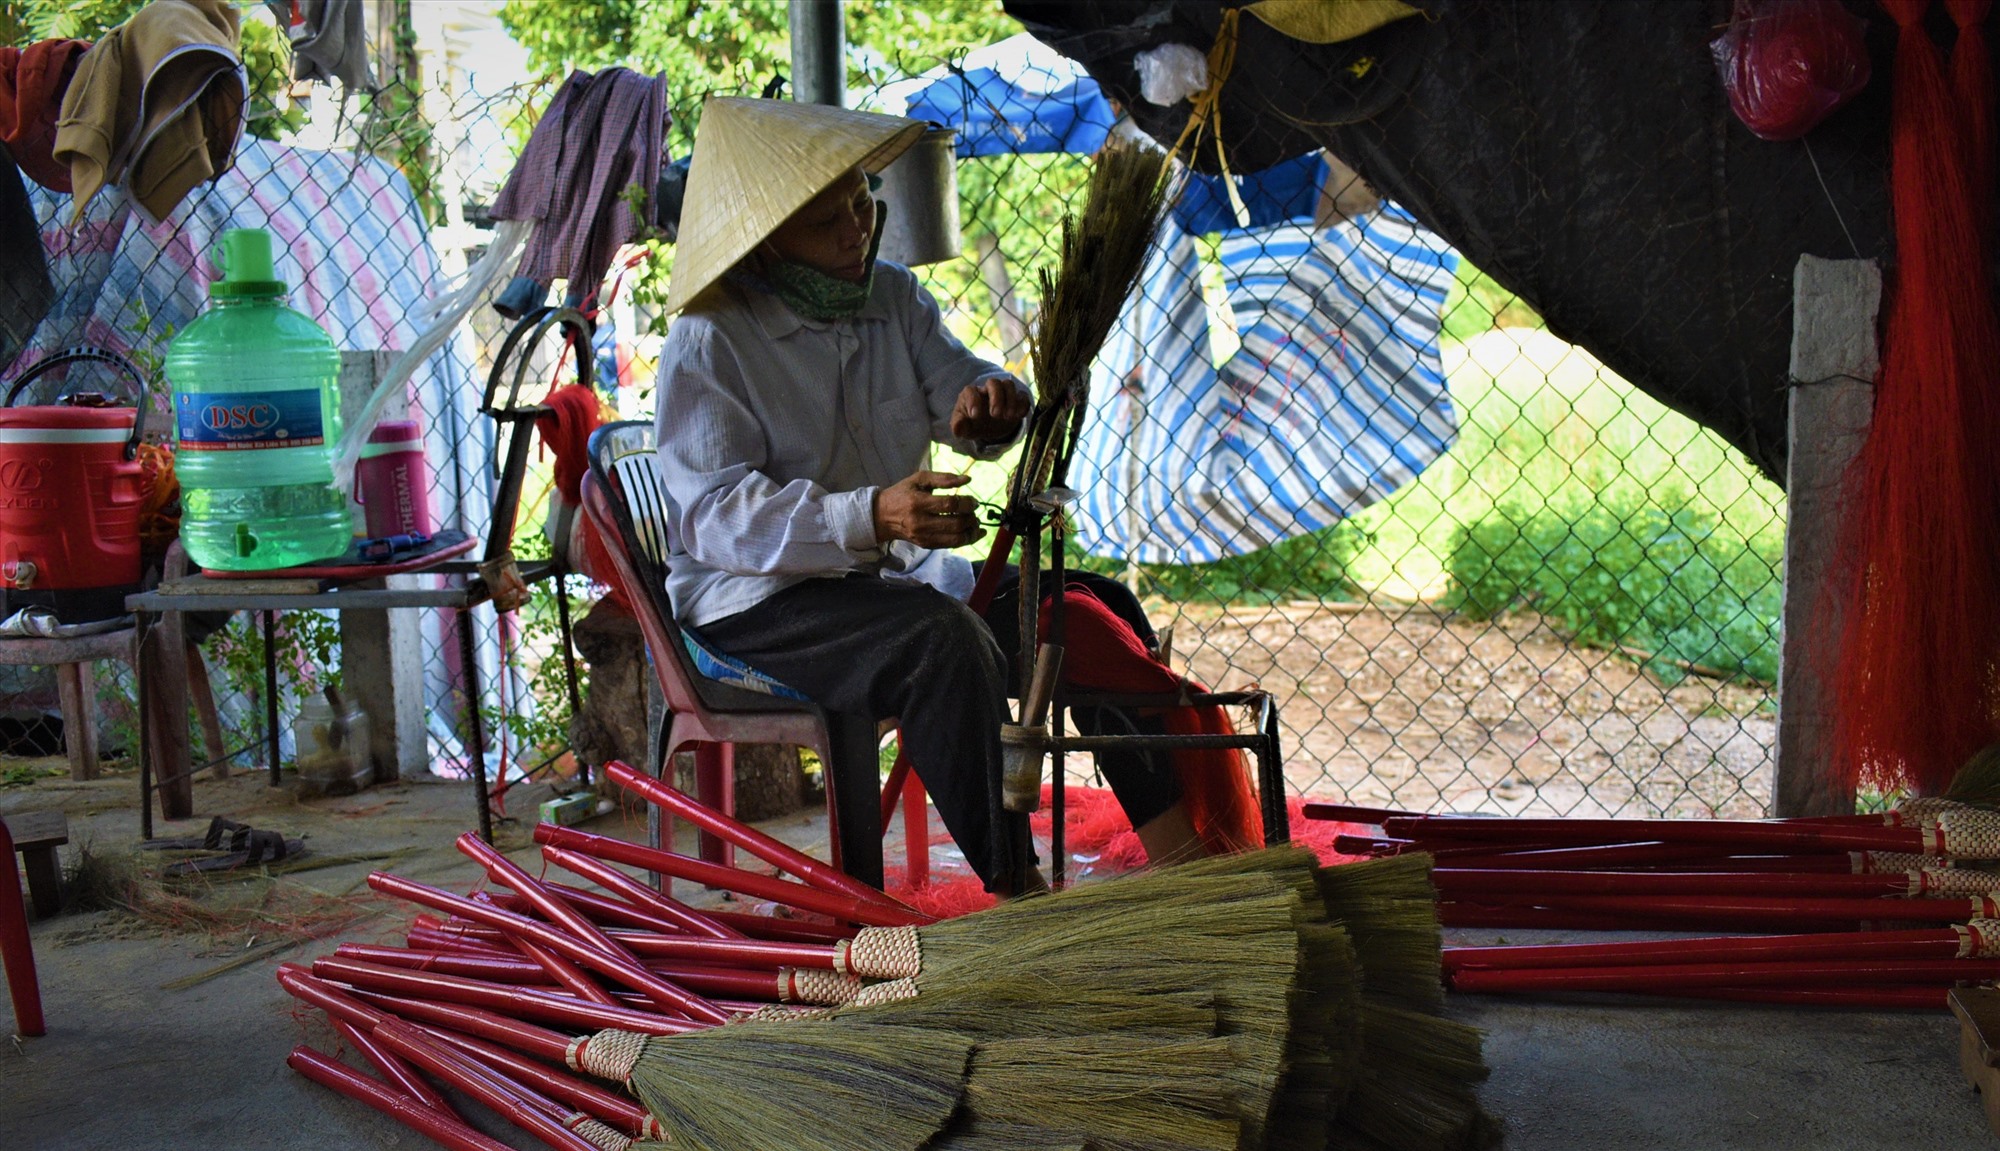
(601, 133)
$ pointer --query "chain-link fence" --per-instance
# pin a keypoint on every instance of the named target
(1479, 570)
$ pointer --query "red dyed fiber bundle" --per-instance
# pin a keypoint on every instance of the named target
(1915, 682)
(1788, 64)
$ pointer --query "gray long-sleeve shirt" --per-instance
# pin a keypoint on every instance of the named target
(776, 432)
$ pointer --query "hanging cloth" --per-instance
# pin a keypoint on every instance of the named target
(157, 105)
(25, 290)
(32, 83)
(1335, 399)
(602, 133)
(329, 40)
(1103, 654)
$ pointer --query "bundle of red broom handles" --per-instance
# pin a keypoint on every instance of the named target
(1816, 882)
(478, 995)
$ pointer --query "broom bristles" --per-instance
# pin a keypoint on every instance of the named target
(743, 1086)
(1103, 254)
(1109, 1086)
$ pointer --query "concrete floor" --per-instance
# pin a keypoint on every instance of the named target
(130, 1065)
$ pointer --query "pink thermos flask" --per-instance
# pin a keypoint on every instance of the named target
(391, 481)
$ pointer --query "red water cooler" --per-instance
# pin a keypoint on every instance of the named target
(70, 488)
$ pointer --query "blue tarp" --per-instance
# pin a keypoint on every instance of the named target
(996, 116)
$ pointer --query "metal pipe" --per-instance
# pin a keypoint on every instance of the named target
(819, 52)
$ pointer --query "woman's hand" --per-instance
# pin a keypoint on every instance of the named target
(907, 510)
(991, 411)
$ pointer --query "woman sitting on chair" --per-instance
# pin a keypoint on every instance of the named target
(799, 394)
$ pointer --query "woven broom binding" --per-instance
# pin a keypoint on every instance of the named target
(890, 992)
(1954, 881)
(1884, 862)
(1979, 939)
(1970, 833)
(1922, 811)
(778, 1013)
(812, 985)
(883, 953)
(609, 1054)
(598, 1133)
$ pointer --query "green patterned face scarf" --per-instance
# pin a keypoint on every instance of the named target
(813, 294)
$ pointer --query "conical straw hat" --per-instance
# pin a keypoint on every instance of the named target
(758, 161)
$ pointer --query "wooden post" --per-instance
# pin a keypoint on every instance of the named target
(385, 646)
(1834, 359)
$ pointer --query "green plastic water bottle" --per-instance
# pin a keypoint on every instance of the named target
(256, 410)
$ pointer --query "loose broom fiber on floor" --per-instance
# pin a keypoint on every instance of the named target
(803, 1086)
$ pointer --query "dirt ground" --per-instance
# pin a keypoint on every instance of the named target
(1409, 706)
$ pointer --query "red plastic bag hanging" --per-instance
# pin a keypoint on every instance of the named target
(1787, 64)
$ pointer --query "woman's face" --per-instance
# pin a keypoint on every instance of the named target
(831, 233)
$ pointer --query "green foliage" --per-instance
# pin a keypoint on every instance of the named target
(1313, 566)
(25, 774)
(1654, 573)
(718, 46)
(1477, 304)
(307, 648)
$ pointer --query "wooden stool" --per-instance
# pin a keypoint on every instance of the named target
(36, 835)
(76, 689)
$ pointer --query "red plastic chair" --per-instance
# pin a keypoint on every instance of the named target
(627, 506)
(16, 950)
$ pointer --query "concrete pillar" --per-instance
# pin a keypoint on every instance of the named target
(1834, 360)
(384, 648)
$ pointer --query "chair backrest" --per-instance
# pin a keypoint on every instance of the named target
(625, 502)
(636, 502)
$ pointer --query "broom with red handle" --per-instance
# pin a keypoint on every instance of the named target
(625, 971)
(1639, 856)
(521, 1002)
(1969, 833)
(539, 1115)
(739, 924)
(560, 970)
(1674, 976)
(1380, 816)
(607, 1106)
(661, 991)
(671, 911)
(355, 1004)
(1456, 883)
(427, 1121)
(742, 882)
(547, 1120)
(399, 1073)
(759, 954)
(1977, 939)
(1453, 913)
(1736, 908)
(779, 855)
(767, 986)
